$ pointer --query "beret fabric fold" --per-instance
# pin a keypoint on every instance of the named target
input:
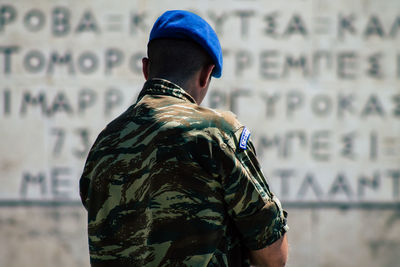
(183, 24)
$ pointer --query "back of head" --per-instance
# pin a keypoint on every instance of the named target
(176, 59)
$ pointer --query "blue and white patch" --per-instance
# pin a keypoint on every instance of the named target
(244, 137)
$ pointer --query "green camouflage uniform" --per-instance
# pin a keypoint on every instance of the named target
(166, 184)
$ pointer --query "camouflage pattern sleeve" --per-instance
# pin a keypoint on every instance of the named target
(256, 211)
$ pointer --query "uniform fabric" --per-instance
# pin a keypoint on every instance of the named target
(183, 24)
(166, 184)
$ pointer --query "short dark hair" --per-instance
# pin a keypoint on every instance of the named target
(177, 58)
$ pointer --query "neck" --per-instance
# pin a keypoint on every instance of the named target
(189, 85)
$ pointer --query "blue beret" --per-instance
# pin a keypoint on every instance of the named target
(186, 25)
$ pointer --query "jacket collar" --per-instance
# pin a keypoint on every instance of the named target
(157, 86)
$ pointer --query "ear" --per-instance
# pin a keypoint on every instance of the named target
(145, 67)
(205, 75)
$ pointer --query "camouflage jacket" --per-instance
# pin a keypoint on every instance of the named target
(170, 183)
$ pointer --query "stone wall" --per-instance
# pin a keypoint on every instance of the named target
(317, 82)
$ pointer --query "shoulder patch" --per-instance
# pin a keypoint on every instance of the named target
(244, 137)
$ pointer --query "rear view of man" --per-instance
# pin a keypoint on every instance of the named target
(170, 183)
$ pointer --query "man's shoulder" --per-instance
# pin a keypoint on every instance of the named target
(217, 125)
(224, 120)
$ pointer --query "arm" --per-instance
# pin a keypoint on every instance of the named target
(255, 210)
(275, 255)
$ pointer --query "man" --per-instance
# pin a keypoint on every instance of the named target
(170, 183)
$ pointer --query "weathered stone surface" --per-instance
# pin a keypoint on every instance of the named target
(316, 82)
